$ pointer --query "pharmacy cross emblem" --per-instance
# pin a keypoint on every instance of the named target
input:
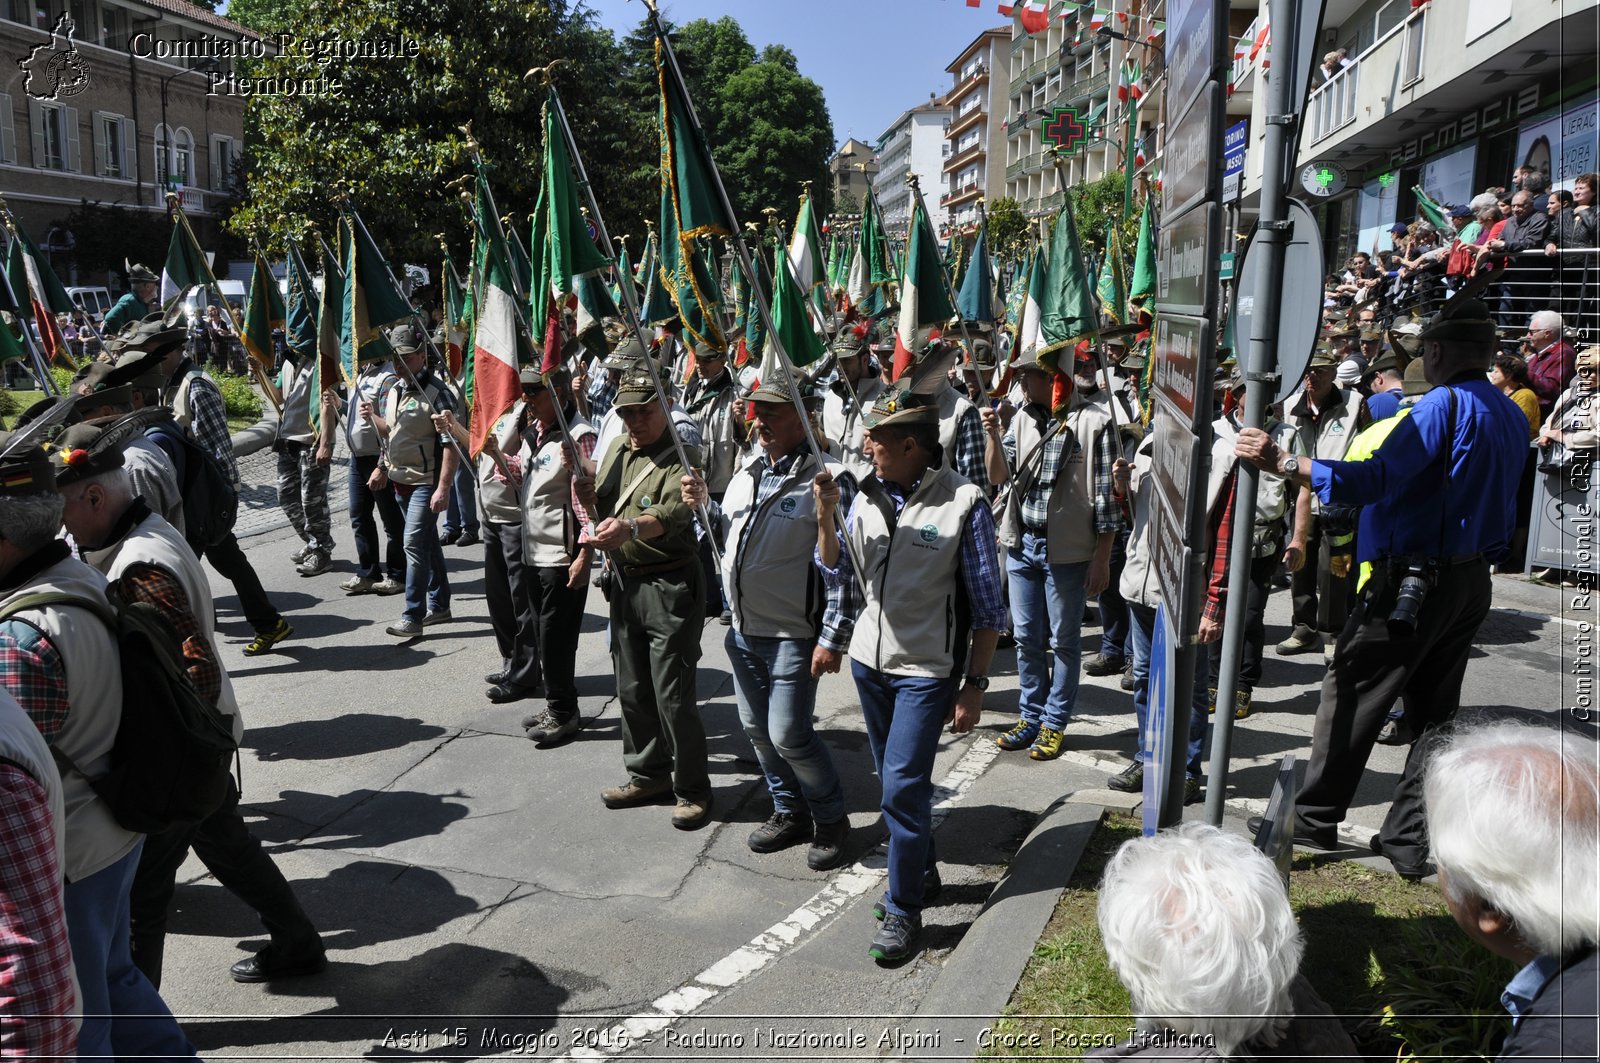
(1065, 130)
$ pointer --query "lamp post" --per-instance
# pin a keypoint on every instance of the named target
(205, 67)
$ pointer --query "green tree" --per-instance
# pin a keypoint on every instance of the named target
(847, 203)
(784, 137)
(267, 16)
(1008, 228)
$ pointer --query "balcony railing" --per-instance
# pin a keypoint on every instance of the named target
(962, 158)
(191, 199)
(1042, 67)
(1334, 103)
(1247, 40)
(1084, 88)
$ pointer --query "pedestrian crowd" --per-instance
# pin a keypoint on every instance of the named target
(906, 528)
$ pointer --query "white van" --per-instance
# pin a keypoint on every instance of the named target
(94, 301)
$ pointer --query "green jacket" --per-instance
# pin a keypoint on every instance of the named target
(128, 309)
(658, 494)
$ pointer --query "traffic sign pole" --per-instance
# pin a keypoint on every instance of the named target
(1272, 230)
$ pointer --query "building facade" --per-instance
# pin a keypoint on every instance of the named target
(914, 143)
(852, 170)
(89, 114)
(975, 166)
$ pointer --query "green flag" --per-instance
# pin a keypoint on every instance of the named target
(185, 268)
(690, 207)
(1111, 287)
(655, 305)
(300, 309)
(975, 298)
(371, 302)
(870, 268)
(791, 321)
(924, 301)
(35, 282)
(1068, 314)
(1431, 212)
(263, 312)
(1143, 288)
(330, 315)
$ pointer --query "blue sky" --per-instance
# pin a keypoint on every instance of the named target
(873, 58)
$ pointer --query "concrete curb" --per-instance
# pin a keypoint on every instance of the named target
(258, 436)
(977, 981)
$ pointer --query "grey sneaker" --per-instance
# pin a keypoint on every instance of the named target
(405, 628)
(437, 616)
(896, 939)
(388, 585)
(545, 730)
(315, 564)
(358, 585)
(1129, 780)
(781, 830)
(1301, 640)
(300, 554)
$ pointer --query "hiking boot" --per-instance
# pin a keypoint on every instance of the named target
(437, 616)
(1048, 745)
(1241, 704)
(450, 538)
(827, 845)
(315, 564)
(1129, 780)
(635, 792)
(357, 585)
(1126, 682)
(405, 628)
(781, 830)
(300, 554)
(1193, 791)
(932, 886)
(389, 585)
(896, 939)
(691, 813)
(546, 730)
(470, 538)
(1019, 737)
(1301, 640)
(1101, 665)
(265, 640)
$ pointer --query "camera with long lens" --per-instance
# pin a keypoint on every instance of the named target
(1415, 583)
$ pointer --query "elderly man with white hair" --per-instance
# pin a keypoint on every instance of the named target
(1551, 359)
(1197, 926)
(1514, 824)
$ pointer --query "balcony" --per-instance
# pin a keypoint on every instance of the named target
(1042, 67)
(963, 122)
(964, 194)
(1397, 56)
(193, 200)
(963, 158)
(1243, 62)
(1086, 88)
(966, 84)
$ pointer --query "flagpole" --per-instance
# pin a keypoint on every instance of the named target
(41, 368)
(736, 238)
(258, 369)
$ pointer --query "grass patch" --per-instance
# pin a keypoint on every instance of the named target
(243, 403)
(1383, 952)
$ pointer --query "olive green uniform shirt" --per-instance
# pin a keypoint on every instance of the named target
(658, 495)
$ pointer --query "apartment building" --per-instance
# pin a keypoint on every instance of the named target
(914, 143)
(90, 114)
(975, 167)
(852, 170)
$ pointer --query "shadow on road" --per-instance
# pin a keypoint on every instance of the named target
(349, 735)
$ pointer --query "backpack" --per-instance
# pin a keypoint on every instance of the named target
(210, 501)
(171, 760)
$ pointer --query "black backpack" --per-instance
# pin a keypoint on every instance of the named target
(210, 501)
(171, 760)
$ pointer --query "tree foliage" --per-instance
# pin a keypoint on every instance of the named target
(1008, 228)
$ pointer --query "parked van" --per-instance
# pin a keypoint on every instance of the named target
(94, 301)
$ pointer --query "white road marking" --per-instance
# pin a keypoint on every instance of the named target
(782, 937)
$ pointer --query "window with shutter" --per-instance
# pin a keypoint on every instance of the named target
(69, 136)
(130, 149)
(103, 164)
(8, 132)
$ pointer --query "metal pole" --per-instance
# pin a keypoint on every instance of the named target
(1273, 230)
(630, 299)
(737, 241)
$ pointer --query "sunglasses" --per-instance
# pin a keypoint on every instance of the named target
(633, 413)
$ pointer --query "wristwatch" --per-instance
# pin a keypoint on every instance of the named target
(633, 526)
(1288, 465)
(979, 681)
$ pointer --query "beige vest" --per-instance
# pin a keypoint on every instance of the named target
(1070, 534)
(155, 542)
(952, 407)
(1138, 583)
(95, 840)
(497, 500)
(913, 621)
(1329, 439)
(154, 478)
(371, 386)
(549, 525)
(774, 588)
(715, 415)
(413, 447)
(841, 420)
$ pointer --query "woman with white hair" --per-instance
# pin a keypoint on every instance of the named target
(1197, 926)
(1514, 825)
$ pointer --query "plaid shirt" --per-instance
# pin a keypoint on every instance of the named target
(1221, 545)
(209, 422)
(978, 567)
(839, 609)
(36, 986)
(1035, 505)
(602, 393)
(968, 446)
(32, 670)
(149, 583)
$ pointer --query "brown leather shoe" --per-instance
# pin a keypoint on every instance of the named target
(635, 792)
(691, 813)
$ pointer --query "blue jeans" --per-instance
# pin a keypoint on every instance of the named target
(904, 717)
(427, 582)
(123, 1015)
(1046, 618)
(1144, 627)
(462, 513)
(776, 694)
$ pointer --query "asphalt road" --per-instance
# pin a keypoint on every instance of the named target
(477, 899)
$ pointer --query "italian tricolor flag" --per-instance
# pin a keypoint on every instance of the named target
(924, 298)
(496, 386)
